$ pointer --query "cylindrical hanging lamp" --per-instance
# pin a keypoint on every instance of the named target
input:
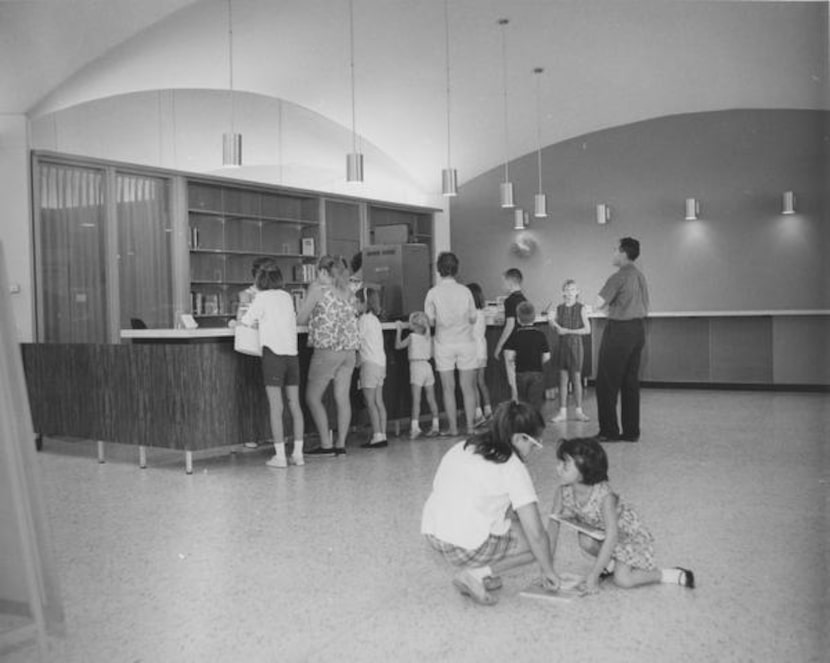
(232, 150)
(518, 219)
(231, 141)
(540, 200)
(354, 160)
(449, 176)
(506, 188)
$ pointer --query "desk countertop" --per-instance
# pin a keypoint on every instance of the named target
(221, 332)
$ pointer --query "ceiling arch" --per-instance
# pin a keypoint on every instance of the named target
(607, 63)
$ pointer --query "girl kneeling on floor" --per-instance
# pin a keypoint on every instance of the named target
(467, 518)
(621, 544)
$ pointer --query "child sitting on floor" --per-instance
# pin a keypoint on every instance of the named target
(480, 484)
(421, 377)
(585, 498)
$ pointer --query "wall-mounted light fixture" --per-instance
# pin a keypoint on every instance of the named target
(692, 209)
(231, 141)
(519, 219)
(603, 214)
(788, 203)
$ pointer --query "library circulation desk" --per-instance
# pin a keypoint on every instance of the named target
(189, 390)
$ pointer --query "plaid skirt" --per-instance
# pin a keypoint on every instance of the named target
(492, 550)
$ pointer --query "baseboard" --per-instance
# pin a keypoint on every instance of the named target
(733, 386)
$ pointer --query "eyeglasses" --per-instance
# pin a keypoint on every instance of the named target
(532, 441)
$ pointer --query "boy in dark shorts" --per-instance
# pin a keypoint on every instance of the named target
(525, 353)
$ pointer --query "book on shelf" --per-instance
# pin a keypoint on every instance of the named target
(305, 273)
(307, 246)
(194, 237)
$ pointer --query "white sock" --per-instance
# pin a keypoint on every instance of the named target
(488, 411)
(298, 448)
(479, 414)
(377, 437)
(481, 572)
(279, 450)
(416, 425)
(435, 424)
(670, 576)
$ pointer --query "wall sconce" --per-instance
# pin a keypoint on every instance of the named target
(519, 219)
(692, 209)
(788, 203)
(603, 214)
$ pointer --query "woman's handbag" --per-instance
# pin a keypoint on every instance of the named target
(246, 340)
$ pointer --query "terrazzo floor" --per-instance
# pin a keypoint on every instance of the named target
(239, 562)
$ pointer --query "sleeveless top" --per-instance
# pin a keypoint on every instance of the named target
(333, 324)
(570, 317)
(420, 347)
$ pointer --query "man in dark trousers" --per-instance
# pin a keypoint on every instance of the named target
(625, 295)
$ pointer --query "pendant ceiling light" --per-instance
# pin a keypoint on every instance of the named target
(354, 160)
(506, 187)
(232, 141)
(449, 176)
(540, 200)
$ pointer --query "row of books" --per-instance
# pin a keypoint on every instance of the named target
(213, 303)
(305, 273)
(306, 246)
(207, 303)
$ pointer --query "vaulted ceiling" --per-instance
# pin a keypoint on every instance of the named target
(606, 63)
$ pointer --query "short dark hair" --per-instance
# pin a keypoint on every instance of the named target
(478, 295)
(496, 443)
(258, 264)
(630, 247)
(447, 263)
(514, 274)
(357, 262)
(526, 313)
(269, 277)
(588, 456)
(370, 297)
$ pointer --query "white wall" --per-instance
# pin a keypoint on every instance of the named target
(15, 215)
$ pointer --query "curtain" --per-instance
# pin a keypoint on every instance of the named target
(144, 250)
(72, 254)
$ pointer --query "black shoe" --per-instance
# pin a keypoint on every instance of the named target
(607, 438)
(323, 452)
(375, 445)
(629, 438)
(339, 451)
(687, 578)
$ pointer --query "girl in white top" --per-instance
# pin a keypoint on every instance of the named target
(372, 364)
(483, 408)
(419, 350)
(467, 516)
(272, 310)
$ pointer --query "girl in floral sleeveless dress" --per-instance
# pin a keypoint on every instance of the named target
(585, 499)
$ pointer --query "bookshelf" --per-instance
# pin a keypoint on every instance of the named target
(229, 228)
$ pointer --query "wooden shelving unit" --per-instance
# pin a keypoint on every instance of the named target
(229, 228)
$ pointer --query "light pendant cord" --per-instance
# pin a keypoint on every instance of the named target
(447, 36)
(230, 64)
(538, 72)
(503, 23)
(351, 64)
